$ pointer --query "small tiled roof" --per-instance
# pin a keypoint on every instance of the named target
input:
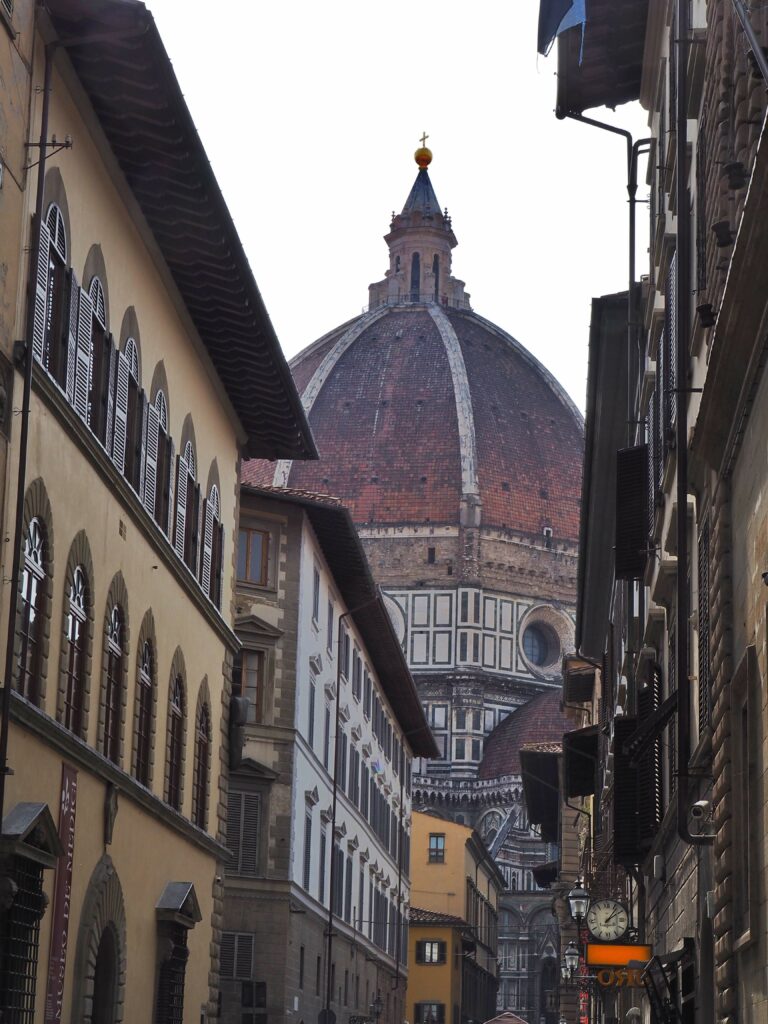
(420, 916)
(540, 721)
(506, 1018)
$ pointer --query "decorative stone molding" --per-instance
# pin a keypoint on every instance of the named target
(103, 908)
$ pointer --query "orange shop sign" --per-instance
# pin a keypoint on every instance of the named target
(617, 954)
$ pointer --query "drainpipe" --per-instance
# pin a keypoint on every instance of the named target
(18, 530)
(754, 43)
(683, 293)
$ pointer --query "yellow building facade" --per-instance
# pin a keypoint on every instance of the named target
(129, 296)
(453, 927)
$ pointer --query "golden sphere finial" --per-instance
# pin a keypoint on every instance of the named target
(423, 156)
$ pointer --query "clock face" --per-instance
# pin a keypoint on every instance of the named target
(607, 920)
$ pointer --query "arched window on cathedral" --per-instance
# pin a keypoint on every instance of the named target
(30, 613)
(436, 275)
(415, 277)
(113, 686)
(74, 690)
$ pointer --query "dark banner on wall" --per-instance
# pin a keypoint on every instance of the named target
(54, 996)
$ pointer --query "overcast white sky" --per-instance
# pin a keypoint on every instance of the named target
(310, 113)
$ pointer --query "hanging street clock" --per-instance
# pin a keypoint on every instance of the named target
(607, 920)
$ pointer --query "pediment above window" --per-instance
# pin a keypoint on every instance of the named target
(312, 796)
(29, 832)
(316, 663)
(251, 627)
(251, 769)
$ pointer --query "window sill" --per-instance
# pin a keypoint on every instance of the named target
(124, 493)
(72, 747)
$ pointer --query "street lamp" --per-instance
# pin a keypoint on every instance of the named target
(562, 1019)
(376, 1007)
(578, 902)
(571, 958)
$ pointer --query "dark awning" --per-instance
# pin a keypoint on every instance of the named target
(540, 771)
(578, 680)
(119, 58)
(608, 71)
(545, 874)
(580, 750)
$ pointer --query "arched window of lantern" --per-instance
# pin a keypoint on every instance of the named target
(415, 277)
(436, 275)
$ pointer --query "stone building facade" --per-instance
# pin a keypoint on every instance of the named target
(681, 645)
(319, 819)
(459, 457)
(120, 645)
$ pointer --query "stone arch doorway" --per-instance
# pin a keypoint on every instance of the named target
(105, 979)
(100, 959)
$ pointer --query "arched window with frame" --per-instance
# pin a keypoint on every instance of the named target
(30, 612)
(76, 627)
(113, 685)
(158, 475)
(213, 544)
(176, 743)
(144, 699)
(202, 766)
(135, 415)
(53, 296)
(102, 367)
(188, 509)
(415, 277)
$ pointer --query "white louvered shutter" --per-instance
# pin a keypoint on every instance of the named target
(243, 956)
(121, 412)
(141, 441)
(170, 482)
(110, 386)
(234, 829)
(40, 316)
(197, 533)
(83, 361)
(205, 575)
(74, 292)
(150, 462)
(182, 482)
(227, 955)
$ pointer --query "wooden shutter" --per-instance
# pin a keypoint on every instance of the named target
(631, 512)
(83, 361)
(141, 442)
(705, 692)
(234, 829)
(121, 412)
(243, 957)
(205, 573)
(249, 843)
(197, 529)
(625, 796)
(182, 481)
(110, 369)
(152, 434)
(74, 292)
(168, 484)
(217, 564)
(650, 806)
(40, 312)
(670, 354)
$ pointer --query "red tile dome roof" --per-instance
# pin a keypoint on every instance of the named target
(417, 407)
(538, 721)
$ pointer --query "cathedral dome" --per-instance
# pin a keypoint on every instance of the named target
(424, 412)
(539, 721)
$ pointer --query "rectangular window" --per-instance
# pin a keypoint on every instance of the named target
(439, 716)
(429, 1013)
(460, 720)
(252, 683)
(437, 848)
(321, 865)
(311, 712)
(430, 951)
(329, 629)
(327, 738)
(745, 718)
(490, 720)
(368, 693)
(237, 955)
(475, 750)
(307, 849)
(301, 967)
(253, 556)
(459, 750)
(315, 595)
(243, 827)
